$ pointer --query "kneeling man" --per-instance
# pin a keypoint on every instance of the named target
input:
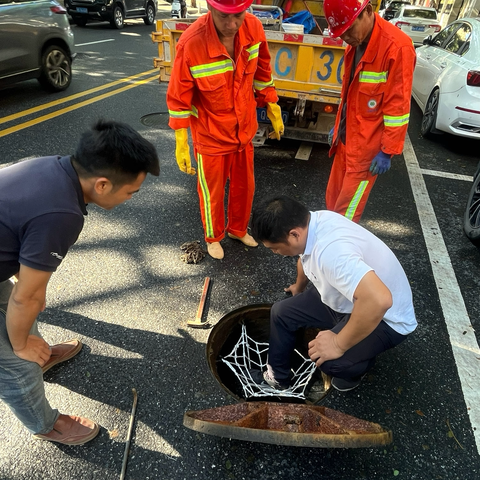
(360, 296)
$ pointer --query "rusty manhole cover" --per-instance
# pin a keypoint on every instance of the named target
(295, 425)
(156, 120)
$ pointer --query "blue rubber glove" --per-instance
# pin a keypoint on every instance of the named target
(330, 136)
(380, 163)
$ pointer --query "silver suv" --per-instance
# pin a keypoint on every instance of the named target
(35, 42)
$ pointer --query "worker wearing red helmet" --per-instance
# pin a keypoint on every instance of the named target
(220, 74)
(373, 115)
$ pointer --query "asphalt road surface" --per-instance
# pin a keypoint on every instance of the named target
(124, 291)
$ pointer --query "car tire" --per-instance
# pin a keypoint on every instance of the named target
(471, 218)
(429, 120)
(150, 17)
(56, 69)
(81, 22)
(118, 18)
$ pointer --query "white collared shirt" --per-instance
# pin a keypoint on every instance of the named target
(338, 254)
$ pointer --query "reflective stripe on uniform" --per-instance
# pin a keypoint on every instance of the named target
(184, 114)
(194, 111)
(261, 85)
(207, 205)
(373, 77)
(253, 51)
(352, 207)
(391, 121)
(209, 69)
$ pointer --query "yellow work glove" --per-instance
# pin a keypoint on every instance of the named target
(182, 151)
(274, 113)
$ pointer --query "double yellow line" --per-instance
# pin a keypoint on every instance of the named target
(132, 84)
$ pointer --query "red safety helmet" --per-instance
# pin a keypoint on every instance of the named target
(341, 14)
(230, 6)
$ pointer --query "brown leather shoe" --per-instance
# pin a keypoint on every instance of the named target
(62, 352)
(71, 430)
(247, 240)
(215, 250)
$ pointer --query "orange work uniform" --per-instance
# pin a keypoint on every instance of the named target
(377, 113)
(216, 96)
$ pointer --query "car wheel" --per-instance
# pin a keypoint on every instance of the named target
(429, 119)
(118, 18)
(81, 22)
(56, 69)
(150, 18)
(471, 218)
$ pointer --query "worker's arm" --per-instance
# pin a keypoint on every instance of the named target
(301, 283)
(397, 99)
(263, 80)
(180, 91)
(179, 101)
(26, 302)
(372, 299)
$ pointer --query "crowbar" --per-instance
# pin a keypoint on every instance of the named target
(129, 435)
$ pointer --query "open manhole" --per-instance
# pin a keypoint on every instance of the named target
(237, 348)
(238, 342)
(156, 120)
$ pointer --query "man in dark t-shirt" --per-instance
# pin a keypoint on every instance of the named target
(42, 207)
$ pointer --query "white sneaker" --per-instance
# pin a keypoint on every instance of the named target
(269, 378)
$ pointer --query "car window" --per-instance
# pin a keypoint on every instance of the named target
(397, 14)
(439, 39)
(396, 4)
(420, 13)
(459, 39)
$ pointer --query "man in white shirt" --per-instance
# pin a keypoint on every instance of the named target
(360, 296)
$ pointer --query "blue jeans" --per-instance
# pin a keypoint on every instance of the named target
(308, 310)
(21, 382)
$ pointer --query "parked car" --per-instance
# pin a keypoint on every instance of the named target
(471, 218)
(35, 42)
(391, 8)
(113, 11)
(446, 80)
(417, 22)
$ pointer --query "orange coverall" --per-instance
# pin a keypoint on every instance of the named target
(216, 96)
(377, 114)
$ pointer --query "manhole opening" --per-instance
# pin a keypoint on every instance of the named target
(156, 120)
(256, 319)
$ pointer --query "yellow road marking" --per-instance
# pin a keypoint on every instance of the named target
(39, 108)
(57, 113)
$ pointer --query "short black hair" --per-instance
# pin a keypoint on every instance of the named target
(275, 217)
(116, 151)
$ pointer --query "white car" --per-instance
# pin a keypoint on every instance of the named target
(416, 22)
(446, 80)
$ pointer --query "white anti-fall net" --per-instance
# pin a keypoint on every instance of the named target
(249, 355)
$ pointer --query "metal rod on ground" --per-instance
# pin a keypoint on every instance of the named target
(129, 435)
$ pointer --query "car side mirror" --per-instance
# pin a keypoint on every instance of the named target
(428, 40)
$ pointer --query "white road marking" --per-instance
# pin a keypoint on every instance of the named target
(465, 348)
(93, 43)
(452, 176)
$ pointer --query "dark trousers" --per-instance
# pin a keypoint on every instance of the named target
(308, 310)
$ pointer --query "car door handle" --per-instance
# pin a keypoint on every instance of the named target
(443, 65)
(428, 57)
